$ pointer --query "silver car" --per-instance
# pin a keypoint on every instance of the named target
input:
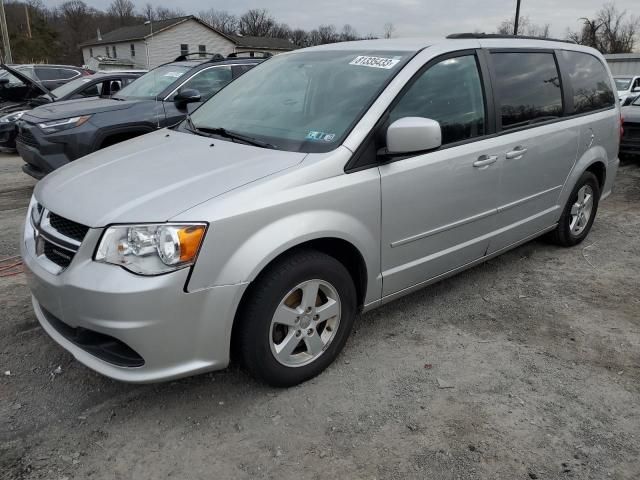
(325, 182)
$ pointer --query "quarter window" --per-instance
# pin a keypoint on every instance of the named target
(451, 93)
(528, 87)
(590, 81)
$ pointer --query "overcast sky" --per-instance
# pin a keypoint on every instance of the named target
(426, 18)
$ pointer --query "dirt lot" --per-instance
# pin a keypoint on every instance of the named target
(525, 367)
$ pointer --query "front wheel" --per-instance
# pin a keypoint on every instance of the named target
(297, 318)
(579, 212)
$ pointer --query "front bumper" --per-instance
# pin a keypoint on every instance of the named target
(175, 333)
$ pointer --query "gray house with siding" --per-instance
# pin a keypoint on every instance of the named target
(154, 43)
(624, 63)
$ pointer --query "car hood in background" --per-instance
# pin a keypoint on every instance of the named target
(20, 94)
(155, 177)
(74, 108)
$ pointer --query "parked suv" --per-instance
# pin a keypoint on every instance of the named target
(53, 135)
(324, 182)
(52, 76)
(34, 94)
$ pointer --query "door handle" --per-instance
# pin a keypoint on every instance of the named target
(485, 161)
(517, 152)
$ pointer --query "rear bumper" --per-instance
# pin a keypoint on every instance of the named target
(129, 327)
(630, 142)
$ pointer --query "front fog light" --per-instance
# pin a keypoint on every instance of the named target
(151, 249)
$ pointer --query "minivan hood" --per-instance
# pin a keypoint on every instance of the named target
(74, 108)
(155, 177)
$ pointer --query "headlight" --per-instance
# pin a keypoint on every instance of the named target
(64, 124)
(151, 249)
(12, 117)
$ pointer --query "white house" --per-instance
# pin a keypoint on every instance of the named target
(154, 43)
(624, 63)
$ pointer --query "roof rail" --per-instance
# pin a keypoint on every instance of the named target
(500, 35)
(250, 53)
(215, 57)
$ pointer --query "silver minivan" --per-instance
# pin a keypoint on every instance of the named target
(325, 182)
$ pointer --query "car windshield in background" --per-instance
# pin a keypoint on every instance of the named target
(622, 83)
(151, 84)
(303, 102)
(69, 87)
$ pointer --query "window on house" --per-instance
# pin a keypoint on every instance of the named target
(115, 55)
(106, 51)
(202, 49)
(133, 50)
(184, 49)
(91, 52)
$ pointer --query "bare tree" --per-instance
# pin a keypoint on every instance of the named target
(256, 22)
(327, 34)
(221, 20)
(611, 31)
(525, 27)
(163, 13)
(348, 33)
(389, 30)
(123, 11)
(148, 12)
(299, 37)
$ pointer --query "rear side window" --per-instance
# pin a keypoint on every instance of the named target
(528, 87)
(449, 92)
(590, 81)
(44, 73)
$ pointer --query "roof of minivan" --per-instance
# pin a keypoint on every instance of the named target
(417, 44)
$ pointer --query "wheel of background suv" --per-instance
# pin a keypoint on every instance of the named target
(296, 318)
(579, 212)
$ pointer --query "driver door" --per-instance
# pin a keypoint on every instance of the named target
(439, 208)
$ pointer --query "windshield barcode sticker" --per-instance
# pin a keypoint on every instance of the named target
(375, 62)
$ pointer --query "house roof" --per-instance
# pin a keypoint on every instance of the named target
(263, 43)
(140, 32)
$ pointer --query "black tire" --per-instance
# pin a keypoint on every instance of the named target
(253, 330)
(562, 235)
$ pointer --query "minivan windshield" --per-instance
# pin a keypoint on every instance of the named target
(303, 102)
(622, 83)
(151, 84)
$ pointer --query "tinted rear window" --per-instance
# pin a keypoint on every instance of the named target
(590, 81)
(528, 87)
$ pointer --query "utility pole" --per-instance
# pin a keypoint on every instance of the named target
(515, 25)
(26, 14)
(5, 35)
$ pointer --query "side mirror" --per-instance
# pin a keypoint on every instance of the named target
(413, 134)
(635, 90)
(187, 96)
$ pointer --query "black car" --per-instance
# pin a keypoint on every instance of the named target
(51, 76)
(53, 135)
(24, 99)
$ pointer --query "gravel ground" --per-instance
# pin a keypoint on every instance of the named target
(525, 367)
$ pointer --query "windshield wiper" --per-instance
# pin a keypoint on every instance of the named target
(223, 132)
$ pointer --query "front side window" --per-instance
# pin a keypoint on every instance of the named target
(153, 83)
(184, 49)
(302, 101)
(590, 81)
(45, 73)
(449, 92)
(202, 49)
(528, 87)
(208, 82)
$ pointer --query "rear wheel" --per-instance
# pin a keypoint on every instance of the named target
(579, 212)
(297, 318)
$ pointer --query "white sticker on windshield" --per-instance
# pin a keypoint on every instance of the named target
(375, 62)
(173, 74)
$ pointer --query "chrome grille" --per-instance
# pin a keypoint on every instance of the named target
(57, 238)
